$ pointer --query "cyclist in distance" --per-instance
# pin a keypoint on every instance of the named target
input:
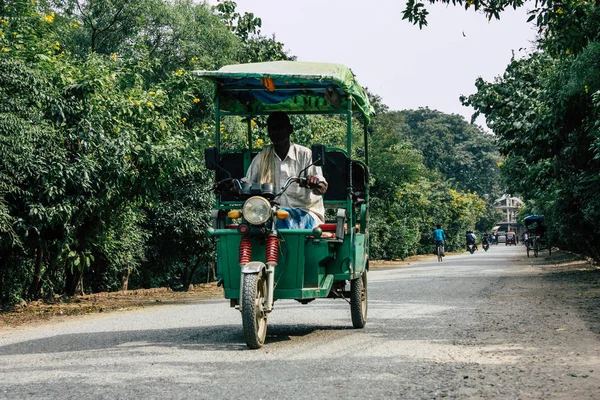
(439, 237)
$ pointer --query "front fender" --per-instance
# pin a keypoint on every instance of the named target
(253, 267)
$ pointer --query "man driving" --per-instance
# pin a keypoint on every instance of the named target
(281, 160)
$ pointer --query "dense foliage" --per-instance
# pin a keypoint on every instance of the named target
(102, 133)
(102, 136)
(430, 168)
(545, 112)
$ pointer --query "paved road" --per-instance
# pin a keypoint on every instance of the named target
(475, 326)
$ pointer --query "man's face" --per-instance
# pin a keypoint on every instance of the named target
(279, 130)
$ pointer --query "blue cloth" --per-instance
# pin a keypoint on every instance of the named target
(298, 219)
(439, 235)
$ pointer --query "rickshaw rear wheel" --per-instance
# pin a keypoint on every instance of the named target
(358, 300)
(254, 314)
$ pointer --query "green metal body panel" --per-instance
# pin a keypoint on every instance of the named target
(307, 267)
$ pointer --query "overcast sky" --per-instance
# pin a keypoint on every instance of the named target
(409, 68)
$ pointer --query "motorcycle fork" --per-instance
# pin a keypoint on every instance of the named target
(272, 256)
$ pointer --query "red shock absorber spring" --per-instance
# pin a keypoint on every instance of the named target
(272, 250)
(245, 250)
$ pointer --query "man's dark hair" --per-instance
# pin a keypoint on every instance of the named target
(278, 116)
(439, 226)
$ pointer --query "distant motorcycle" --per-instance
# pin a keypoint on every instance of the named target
(485, 244)
(471, 247)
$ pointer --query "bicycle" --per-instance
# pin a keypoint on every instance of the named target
(439, 251)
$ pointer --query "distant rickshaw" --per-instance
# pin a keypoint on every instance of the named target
(537, 238)
(511, 239)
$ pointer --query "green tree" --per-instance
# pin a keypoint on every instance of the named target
(409, 197)
(564, 26)
(256, 47)
(94, 144)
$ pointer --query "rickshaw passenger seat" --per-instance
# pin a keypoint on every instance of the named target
(360, 178)
(234, 163)
(335, 171)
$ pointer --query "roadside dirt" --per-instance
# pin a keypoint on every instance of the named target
(42, 311)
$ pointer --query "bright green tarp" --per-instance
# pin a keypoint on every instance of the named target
(299, 86)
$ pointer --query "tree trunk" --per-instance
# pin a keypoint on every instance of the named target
(37, 274)
(79, 289)
(125, 278)
(210, 271)
(73, 280)
(188, 278)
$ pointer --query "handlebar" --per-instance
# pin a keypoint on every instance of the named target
(222, 185)
(302, 182)
(235, 185)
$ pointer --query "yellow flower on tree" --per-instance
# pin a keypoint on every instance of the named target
(179, 72)
(49, 18)
(196, 100)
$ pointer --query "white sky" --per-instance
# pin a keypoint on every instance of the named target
(409, 68)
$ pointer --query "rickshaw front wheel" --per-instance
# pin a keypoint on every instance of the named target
(358, 300)
(254, 315)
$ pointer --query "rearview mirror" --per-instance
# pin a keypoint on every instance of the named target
(318, 154)
(211, 158)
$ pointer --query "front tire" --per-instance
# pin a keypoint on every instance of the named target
(254, 314)
(536, 249)
(358, 301)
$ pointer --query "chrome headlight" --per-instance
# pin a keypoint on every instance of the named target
(257, 210)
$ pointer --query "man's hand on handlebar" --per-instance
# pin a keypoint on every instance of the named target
(318, 187)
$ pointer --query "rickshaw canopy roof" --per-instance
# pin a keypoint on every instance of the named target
(534, 218)
(534, 222)
(288, 86)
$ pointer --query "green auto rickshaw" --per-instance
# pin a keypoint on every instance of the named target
(257, 263)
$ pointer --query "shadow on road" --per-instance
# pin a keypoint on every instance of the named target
(214, 338)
